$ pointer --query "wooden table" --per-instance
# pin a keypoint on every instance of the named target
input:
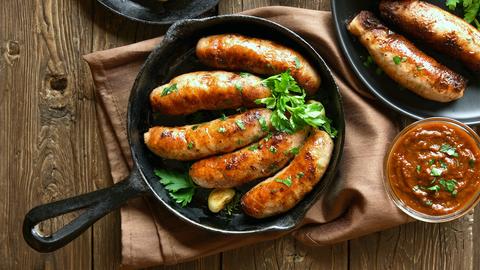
(51, 149)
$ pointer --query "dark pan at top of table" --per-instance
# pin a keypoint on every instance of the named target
(466, 110)
(157, 12)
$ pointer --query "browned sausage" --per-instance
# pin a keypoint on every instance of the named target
(283, 191)
(405, 63)
(218, 136)
(252, 162)
(436, 27)
(207, 90)
(237, 52)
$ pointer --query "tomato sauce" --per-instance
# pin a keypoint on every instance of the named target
(434, 168)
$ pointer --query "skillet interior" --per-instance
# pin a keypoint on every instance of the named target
(175, 56)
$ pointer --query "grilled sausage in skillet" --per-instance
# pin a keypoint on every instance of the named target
(237, 52)
(284, 190)
(207, 90)
(218, 136)
(436, 27)
(404, 63)
(258, 160)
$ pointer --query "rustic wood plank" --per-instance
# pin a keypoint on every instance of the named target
(48, 135)
(284, 253)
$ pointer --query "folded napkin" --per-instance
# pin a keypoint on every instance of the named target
(354, 205)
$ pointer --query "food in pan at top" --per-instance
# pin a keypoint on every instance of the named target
(403, 62)
(281, 141)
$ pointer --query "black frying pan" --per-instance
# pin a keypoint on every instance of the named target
(175, 56)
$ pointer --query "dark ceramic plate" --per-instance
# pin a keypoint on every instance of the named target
(156, 12)
(466, 109)
(175, 56)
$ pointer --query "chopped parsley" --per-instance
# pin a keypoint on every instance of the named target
(448, 185)
(180, 186)
(398, 60)
(369, 61)
(263, 123)
(170, 89)
(287, 181)
(471, 163)
(419, 168)
(297, 63)
(293, 150)
(290, 112)
(222, 129)
(431, 162)
(449, 150)
(443, 164)
(244, 74)
(239, 87)
(253, 147)
(420, 68)
(273, 149)
(223, 117)
(300, 175)
(233, 205)
(435, 188)
(436, 172)
(240, 124)
(194, 127)
(190, 145)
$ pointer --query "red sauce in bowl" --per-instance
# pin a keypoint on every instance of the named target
(434, 168)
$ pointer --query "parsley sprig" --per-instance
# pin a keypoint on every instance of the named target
(290, 112)
(179, 185)
(471, 10)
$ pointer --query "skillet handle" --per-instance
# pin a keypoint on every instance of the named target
(96, 205)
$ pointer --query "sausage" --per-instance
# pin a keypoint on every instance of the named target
(258, 160)
(436, 27)
(218, 136)
(237, 52)
(405, 63)
(283, 191)
(207, 90)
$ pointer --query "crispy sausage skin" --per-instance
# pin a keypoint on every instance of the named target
(405, 63)
(237, 52)
(274, 195)
(207, 90)
(258, 160)
(218, 136)
(436, 27)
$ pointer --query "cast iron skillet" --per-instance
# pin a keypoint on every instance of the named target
(156, 12)
(174, 56)
(386, 90)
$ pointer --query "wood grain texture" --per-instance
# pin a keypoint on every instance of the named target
(50, 149)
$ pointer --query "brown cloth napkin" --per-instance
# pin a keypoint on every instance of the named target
(355, 205)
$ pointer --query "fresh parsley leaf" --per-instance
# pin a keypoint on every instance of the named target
(222, 129)
(419, 168)
(436, 172)
(290, 111)
(240, 124)
(398, 60)
(170, 89)
(287, 181)
(449, 150)
(263, 123)
(452, 4)
(179, 185)
(471, 10)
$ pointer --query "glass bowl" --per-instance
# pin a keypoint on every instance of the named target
(470, 204)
